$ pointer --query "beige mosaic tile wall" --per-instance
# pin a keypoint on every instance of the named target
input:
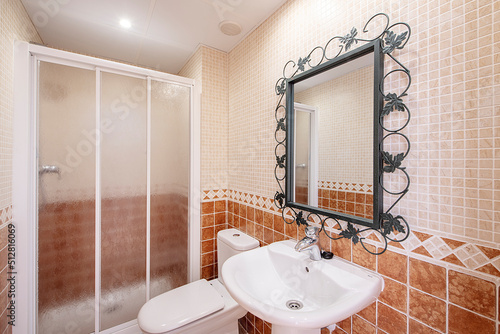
(454, 100)
(15, 25)
(209, 67)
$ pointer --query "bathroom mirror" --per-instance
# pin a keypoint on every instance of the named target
(333, 137)
(340, 141)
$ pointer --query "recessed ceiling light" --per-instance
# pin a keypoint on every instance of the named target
(125, 23)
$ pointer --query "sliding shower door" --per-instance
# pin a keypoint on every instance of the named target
(113, 195)
(123, 162)
(169, 180)
(66, 198)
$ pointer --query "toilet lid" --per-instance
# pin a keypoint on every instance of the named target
(179, 307)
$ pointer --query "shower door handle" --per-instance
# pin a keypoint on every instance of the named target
(48, 169)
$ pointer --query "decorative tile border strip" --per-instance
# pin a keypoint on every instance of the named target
(364, 188)
(467, 255)
(464, 254)
(241, 197)
(6, 215)
(210, 195)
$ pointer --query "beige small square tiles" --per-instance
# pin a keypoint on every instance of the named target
(210, 68)
(15, 25)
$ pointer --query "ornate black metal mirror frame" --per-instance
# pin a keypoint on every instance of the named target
(387, 226)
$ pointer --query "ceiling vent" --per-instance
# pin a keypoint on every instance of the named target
(230, 28)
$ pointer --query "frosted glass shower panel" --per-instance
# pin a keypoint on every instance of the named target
(123, 198)
(170, 109)
(66, 198)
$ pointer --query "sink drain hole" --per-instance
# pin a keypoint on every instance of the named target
(294, 305)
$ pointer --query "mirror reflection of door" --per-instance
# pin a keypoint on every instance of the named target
(306, 158)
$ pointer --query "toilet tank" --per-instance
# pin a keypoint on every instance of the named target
(231, 242)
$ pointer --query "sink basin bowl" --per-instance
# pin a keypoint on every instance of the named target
(294, 293)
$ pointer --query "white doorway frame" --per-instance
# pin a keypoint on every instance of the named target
(25, 167)
(313, 151)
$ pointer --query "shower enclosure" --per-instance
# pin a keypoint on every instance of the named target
(109, 214)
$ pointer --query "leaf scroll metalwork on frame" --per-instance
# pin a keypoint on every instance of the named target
(389, 227)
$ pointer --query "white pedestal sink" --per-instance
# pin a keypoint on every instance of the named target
(295, 294)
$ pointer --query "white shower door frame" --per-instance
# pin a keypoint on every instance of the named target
(25, 171)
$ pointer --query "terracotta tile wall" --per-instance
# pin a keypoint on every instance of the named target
(421, 295)
(213, 219)
(15, 25)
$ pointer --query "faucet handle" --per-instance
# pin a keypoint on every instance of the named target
(312, 232)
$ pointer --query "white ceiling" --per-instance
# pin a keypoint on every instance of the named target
(164, 33)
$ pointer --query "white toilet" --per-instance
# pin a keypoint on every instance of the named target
(201, 306)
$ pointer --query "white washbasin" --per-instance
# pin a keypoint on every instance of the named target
(263, 280)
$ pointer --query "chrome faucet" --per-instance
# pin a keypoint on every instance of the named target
(310, 243)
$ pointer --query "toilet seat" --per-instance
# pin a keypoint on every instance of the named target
(193, 301)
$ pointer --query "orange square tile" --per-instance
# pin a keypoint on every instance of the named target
(341, 195)
(333, 194)
(207, 246)
(243, 211)
(259, 232)
(349, 207)
(361, 326)
(220, 218)
(461, 321)
(345, 325)
(207, 207)
(268, 220)
(472, 293)
(394, 294)
(207, 233)
(259, 216)
(207, 220)
(243, 225)
(251, 213)
(428, 277)
(391, 320)
(207, 259)
(268, 235)
(278, 224)
(291, 230)
(220, 206)
(369, 313)
(360, 198)
(429, 310)
(342, 248)
(386, 265)
(207, 272)
(362, 257)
